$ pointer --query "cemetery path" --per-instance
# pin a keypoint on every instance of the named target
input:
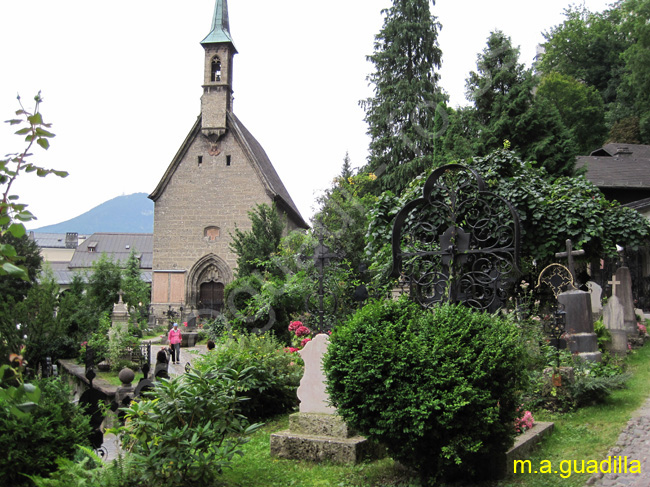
(188, 355)
(633, 444)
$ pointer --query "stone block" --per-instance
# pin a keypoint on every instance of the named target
(290, 445)
(319, 424)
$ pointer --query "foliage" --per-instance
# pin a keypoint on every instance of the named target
(550, 212)
(255, 247)
(271, 386)
(402, 115)
(137, 293)
(121, 344)
(12, 213)
(98, 340)
(30, 257)
(104, 283)
(581, 109)
(188, 430)
(503, 94)
(32, 442)
(438, 388)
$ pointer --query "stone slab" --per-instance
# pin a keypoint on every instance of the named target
(525, 443)
(289, 445)
(319, 424)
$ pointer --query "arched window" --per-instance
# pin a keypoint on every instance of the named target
(216, 69)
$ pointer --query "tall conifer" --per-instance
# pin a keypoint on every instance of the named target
(401, 116)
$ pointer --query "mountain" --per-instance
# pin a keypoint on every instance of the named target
(131, 213)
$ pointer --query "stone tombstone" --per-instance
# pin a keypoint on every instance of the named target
(120, 316)
(317, 433)
(596, 292)
(311, 392)
(613, 318)
(622, 289)
(580, 336)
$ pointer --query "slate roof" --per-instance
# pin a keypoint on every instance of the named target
(62, 273)
(51, 240)
(618, 166)
(272, 182)
(116, 245)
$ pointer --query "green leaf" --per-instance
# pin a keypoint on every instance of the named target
(23, 131)
(35, 119)
(44, 143)
(13, 270)
(43, 133)
(17, 229)
(14, 121)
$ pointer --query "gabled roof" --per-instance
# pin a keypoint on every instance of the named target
(256, 154)
(116, 245)
(618, 166)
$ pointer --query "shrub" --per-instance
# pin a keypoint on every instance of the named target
(438, 387)
(187, 430)
(271, 387)
(31, 443)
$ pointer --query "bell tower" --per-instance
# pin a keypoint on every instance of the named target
(220, 50)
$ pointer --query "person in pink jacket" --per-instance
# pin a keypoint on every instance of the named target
(175, 338)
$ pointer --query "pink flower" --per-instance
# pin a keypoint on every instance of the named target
(525, 422)
(302, 331)
(294, 325)
(290, 349)
(642, 328)
(184, 323)
(305, 341)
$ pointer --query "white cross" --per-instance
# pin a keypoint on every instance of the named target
(613, 282)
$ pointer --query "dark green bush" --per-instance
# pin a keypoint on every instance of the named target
(31, 444)
(271, 387)
(438, 388)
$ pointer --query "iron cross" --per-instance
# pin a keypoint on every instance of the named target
(569, 254)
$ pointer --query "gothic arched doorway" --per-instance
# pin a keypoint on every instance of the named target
(206, 282)
(211, 296)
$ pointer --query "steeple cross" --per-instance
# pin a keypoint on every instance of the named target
(613, 282)
(569, 254)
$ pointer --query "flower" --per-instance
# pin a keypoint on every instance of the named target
(642, 328)
(525, 422)
(302, 331)
(290, 349)
(184, 323)
(305, 341)
(294, 325)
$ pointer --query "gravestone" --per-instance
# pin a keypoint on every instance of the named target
(120, 316)
(622, 289)
(316, 432)
(596, 292)
(580, 336)
(613, 318)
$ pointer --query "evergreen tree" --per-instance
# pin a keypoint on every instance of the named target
(254, 248)
(104, 284)
(346, 169)
(502, 90)
(401, 116)
(137, 293)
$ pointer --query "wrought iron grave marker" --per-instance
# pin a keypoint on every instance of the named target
(459, 242)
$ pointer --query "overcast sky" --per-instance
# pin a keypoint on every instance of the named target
(122, 83)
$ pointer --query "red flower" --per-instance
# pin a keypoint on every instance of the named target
(302, 331)
(294, 325)
(305, 341)
(290, 349)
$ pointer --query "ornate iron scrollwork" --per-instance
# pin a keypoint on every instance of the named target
(458, 242)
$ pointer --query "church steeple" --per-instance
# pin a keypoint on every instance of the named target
(217, 79)
(220, 25)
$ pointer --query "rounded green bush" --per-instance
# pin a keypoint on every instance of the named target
(438, 388)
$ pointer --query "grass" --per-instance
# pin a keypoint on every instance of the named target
(586, 434)
(112, 379)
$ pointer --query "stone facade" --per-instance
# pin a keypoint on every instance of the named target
(218, 175)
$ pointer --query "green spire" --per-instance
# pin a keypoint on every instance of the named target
(220, 25)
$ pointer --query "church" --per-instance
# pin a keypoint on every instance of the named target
(218, 175)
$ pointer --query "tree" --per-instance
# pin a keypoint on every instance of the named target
(255, 247)
(502, 90)
(12, 213)
(402, 118)
(104, 284)
(587, 47)
(581, 109)
(137, 293)
(29, 257)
